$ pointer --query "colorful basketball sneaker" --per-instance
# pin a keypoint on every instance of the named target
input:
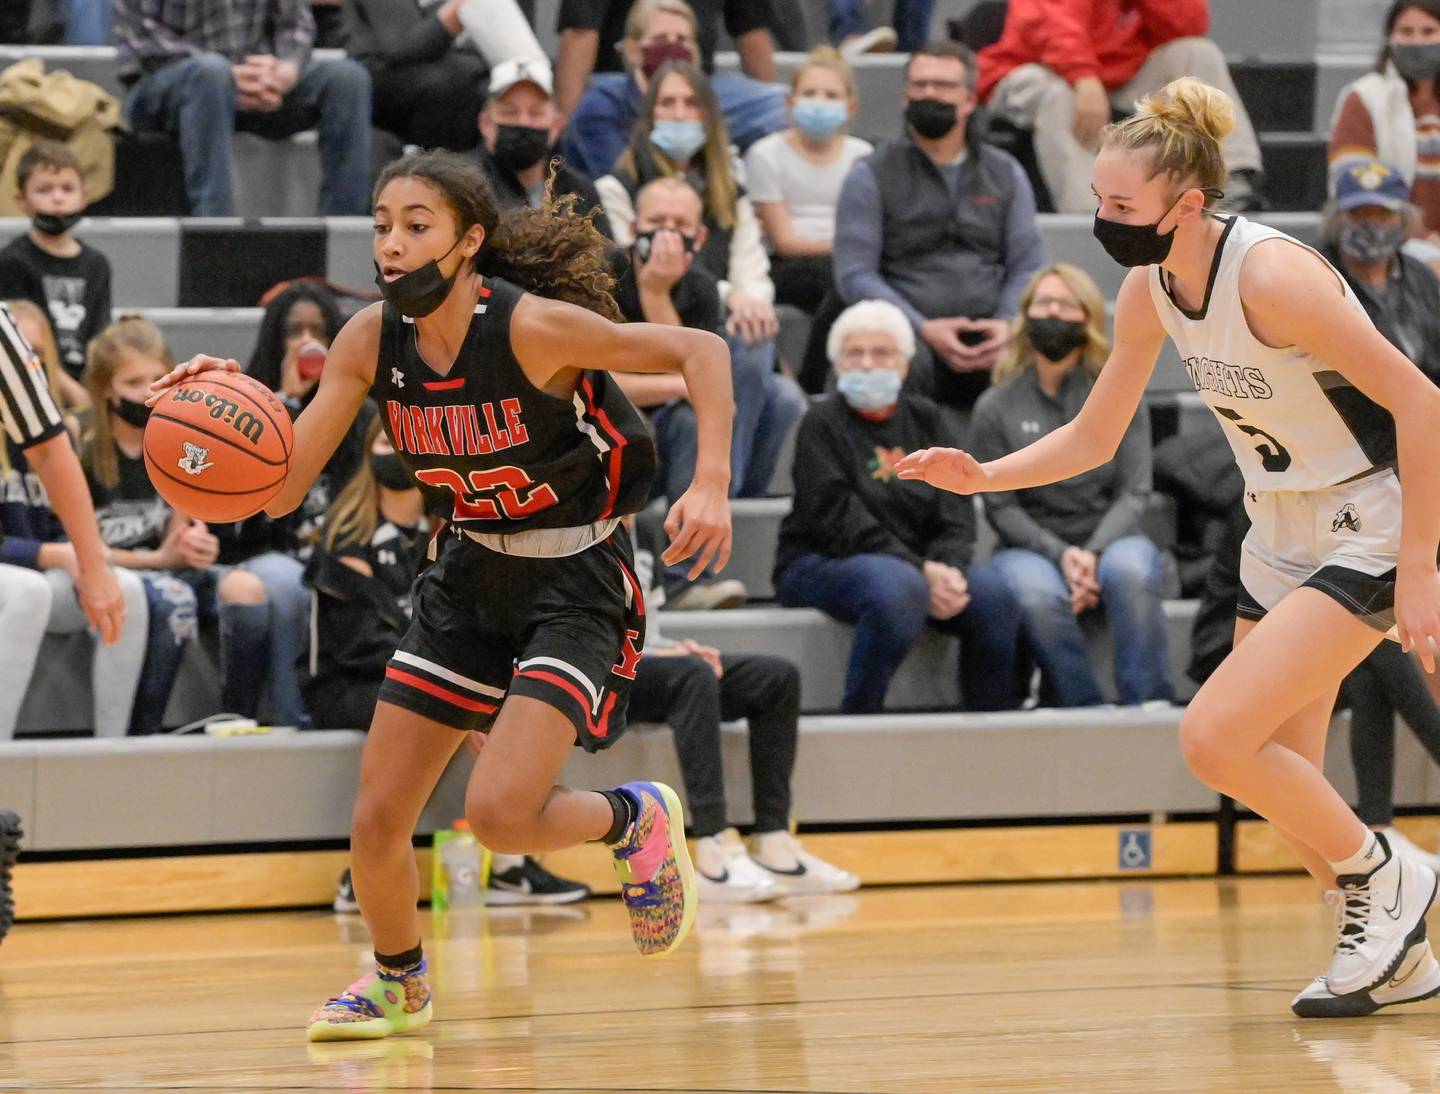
(657, 880)
(385, 1002)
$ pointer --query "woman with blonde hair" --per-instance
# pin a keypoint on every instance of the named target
(1323, 415)
(1071, 547)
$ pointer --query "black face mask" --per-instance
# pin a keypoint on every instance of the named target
(1054, 338)
(417, 293)
(645, 241)
(55, 224)
(390, 472)
(130, 412)
(520, 146)
(1136, 244)
(930, 118)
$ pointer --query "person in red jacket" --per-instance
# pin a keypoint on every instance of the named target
(1061, 65)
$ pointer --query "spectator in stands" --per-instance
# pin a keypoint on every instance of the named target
(428, 62)
(38, 568)
(681, 133)
(657, 31)
(659, 281)
(870, 549)
(846, 20)
(692, 688)
(201, 71)
(1364, 230)
(794, 178)
(942, 226)
(1075, 545)
(371, 547)
(176, 555)
(518, 129)
(1393, 113)
(48, 266)
(1059, 69)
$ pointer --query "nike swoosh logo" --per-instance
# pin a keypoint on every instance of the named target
(1396, 981)
(721, 880)
(799, 870)
(1394, 912)
(510, 886)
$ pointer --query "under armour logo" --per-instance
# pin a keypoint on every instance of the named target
(397, 377)
(1347, 519)
(1029, 427)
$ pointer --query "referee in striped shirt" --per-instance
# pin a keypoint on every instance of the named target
(32, 420)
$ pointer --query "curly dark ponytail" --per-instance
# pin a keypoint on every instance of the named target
(553, 251)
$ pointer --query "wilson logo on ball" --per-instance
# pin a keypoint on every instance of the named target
(228, 411)
(195, 459)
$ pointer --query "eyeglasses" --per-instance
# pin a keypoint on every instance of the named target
(1064, 303)
(856, 357)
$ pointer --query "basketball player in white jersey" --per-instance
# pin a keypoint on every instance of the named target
(1313, 400)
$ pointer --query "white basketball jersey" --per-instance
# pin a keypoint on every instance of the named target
(1293, 422)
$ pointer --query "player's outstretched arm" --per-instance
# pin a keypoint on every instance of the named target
(349, 371)
(1291, 300)
(551, 338)
(1079, 445)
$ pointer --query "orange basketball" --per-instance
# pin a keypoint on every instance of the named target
(218, 446)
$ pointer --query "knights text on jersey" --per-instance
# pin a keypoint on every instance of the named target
(492, 452)
(1293, 422)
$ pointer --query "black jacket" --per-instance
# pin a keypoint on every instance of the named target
(1414, 305)
(510, 194)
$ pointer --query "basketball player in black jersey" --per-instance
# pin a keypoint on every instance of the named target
(489, 362)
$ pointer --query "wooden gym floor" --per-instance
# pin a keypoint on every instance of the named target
(1077, 986)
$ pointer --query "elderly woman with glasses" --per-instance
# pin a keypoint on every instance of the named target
(1077, 545)
(888, 556)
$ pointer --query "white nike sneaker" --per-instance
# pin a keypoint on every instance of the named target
(1417, 978)
(796, 869)
(1383, 916)
(726, 873)
(1402, 845)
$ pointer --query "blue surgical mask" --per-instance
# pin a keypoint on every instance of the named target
(870, 389)
(819, 119)
(679, 140)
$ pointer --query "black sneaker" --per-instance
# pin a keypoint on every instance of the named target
(345, 901)
(10, 833)
(531, 883)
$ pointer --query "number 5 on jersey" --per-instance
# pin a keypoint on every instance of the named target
(1273, 455)
(500, 492)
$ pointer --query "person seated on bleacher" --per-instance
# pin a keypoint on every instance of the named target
(942, 226)
(518, 129)
(203, 71)
(175, 555)
(38, 594)
(1061, 66)
(370, 548)
(654, 32)
(658, 281)
(1393, 114)
(693, 688)
(794, 178)
(68, 280)
(875, 551)
(1075, 545)
(428, 62)
(681, 133)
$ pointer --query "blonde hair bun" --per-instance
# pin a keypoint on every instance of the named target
(1187, 104)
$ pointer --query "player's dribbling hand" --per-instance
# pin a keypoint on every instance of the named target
(698, 525)
(193, 367)
(1417, 614)
(948, 468)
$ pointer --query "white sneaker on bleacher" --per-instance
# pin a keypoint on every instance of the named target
(796, 869)
(726, 873)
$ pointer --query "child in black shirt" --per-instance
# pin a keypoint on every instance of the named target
(68, 280)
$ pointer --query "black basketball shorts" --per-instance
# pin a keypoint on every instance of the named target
(567, 631)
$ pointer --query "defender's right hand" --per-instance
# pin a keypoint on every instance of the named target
(193, 367)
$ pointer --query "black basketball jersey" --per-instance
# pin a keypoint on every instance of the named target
(494, 453)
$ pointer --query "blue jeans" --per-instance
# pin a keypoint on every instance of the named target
(912, 22)
(1130, 575)
(194, 101)
(887, 600)
(288, 625)
(87, 22)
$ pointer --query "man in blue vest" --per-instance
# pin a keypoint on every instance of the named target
(941, 225)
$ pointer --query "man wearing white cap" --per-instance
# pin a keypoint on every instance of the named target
(518, 129)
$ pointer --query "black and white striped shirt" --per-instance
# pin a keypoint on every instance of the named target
(27, 410)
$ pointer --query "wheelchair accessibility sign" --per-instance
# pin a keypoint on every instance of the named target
(1134, 849)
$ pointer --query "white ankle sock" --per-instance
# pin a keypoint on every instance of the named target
(1364, 861)
(500, 863)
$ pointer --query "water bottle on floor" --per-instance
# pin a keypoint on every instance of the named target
(460, 869)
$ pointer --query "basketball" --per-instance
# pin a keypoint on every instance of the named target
(217, 446)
